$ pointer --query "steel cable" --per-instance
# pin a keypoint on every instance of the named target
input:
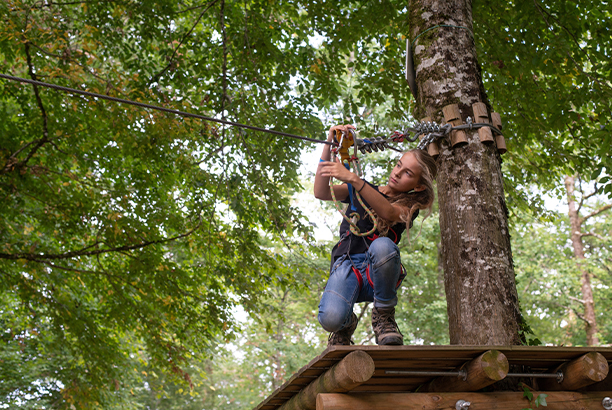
(158, 108)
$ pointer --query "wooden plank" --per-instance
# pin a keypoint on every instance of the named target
(385, 388)
(478, 401)
(407, 364)
(374, 381)
(470, 352)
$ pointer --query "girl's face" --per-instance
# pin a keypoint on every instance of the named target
(406, 175)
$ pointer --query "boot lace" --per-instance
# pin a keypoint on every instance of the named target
(343, 336)
(386, 323)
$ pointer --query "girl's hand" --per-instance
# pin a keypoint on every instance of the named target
(343, 128)
(338, 171)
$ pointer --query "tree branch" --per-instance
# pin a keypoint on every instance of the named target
(84, 252)
(68, 3)
(12, 162)
(364, 308)
(568, 32)
(576, 299)
(596, 212)
(580, 316)
(582, 235)
(578, 67)
(109, 84)
(171, 60)
(592, 193)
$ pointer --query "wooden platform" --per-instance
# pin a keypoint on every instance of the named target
(540, 359)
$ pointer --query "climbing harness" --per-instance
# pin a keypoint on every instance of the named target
(342, 143)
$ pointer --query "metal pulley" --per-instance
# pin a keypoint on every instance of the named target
(372, 144)
(344, 141)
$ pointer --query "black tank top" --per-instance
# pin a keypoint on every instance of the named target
(352, 244)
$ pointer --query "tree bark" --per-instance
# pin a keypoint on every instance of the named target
(585, 277)
(477, 260)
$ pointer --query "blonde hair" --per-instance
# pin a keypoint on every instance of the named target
(414, 200)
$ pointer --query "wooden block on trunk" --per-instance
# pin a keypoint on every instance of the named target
(480, 115)
(453, 116)
(499, 139)
(587, 369)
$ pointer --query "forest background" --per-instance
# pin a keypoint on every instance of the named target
(153, 261)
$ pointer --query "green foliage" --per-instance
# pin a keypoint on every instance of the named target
(548, 280)
(540, 399)
(422, 301)
(128, 230)
(547, 68)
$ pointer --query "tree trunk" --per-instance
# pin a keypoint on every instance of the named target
(585, 277)
(477, 259)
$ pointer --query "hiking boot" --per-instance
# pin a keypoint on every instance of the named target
(343, 336)
(385, 328)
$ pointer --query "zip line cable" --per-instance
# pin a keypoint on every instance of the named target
(430, 131)
(156, 107)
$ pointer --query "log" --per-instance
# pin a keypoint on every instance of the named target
(432, 149)
(583, 371)
(486, 369)
(437, 401)
(453, 116)
(356, 368)
(480, 115)
(604, 385)
(499, 139)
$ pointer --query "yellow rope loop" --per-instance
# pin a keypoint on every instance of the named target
(370, 213)
(346, 218)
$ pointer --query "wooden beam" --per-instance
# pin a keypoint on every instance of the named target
(437, 401)
(583, 371)
(486, 369)
(356, 368)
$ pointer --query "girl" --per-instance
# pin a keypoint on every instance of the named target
(369, 268)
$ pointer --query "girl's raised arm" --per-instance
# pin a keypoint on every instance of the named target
(321, 182)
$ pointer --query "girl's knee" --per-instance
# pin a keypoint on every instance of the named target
(334, 312)
(331, 321)
(383, 247)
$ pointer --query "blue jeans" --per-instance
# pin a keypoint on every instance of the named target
(373, 276)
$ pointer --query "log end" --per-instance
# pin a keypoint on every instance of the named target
(359, 366)
(495, 365)
(595, 366)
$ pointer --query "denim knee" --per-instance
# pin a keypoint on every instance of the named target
(382, 250)
(334, 311)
